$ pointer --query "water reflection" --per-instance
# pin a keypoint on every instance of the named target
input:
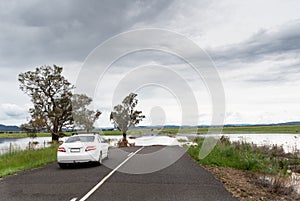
(12, 144)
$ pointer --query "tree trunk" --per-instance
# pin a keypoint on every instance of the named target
(124, 137)
(123, 142)
(55, 131)
(55, 137)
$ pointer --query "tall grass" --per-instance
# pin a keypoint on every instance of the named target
(246, 156)
(16, 161)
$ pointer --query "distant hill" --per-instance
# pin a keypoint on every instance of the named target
(291, 123)
(271, 124)
(9, 128)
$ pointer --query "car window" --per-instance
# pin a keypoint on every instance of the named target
(80, 139)
(103, 140)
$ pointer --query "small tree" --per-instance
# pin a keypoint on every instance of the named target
(124, 116)
(84, 117)
(31, 128)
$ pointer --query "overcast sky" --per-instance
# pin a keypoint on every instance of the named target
(254, 45)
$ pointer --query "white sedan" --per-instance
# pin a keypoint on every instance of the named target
(82, 148)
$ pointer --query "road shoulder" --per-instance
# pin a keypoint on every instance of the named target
(246, 185)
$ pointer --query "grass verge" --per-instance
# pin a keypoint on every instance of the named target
(245, 156)
(252, 172)
(22, 160)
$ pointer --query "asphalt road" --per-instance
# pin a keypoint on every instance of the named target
(135, 174)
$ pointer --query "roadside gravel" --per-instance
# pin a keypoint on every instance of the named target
(247, 186)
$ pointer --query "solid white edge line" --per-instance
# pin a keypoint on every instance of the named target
(130, 154)
(107, 176)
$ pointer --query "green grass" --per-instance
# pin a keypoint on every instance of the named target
(176, 130)
(245, 156)
(224, 155)
(22, 160)
(200, 130)
(263, 129)
(239, 129)
(22, 135)
(113, 132)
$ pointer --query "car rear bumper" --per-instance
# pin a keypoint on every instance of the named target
(76, 158)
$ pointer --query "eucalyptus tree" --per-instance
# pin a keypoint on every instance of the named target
(124, 116)
(84, 117)
(51, 95)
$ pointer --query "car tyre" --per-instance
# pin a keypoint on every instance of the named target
(100, 159)
(63, 165)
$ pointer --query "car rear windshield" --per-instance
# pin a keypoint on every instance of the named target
(80, 139)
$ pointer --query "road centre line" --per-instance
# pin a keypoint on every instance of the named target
(109, 175)
(130, 154)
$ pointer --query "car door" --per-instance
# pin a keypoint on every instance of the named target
(103, 145)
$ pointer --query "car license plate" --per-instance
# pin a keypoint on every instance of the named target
(75, 150)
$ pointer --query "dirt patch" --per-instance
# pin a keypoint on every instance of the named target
(248, 186)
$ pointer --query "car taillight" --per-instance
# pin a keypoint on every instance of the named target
(61, 149)
(90, 148)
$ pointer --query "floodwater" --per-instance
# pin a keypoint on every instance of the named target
(11, 144)
(289, 142)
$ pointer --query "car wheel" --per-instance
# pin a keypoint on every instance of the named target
(63, 165)
(100, 158)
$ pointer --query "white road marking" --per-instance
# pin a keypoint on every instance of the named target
(107, 176)
(74, 199)
(130, 154)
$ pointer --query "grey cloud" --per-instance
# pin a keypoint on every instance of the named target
(56, 31)
(279, 49)
(263, 44)
(273, 76)
(12, 111)
(270, 78)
